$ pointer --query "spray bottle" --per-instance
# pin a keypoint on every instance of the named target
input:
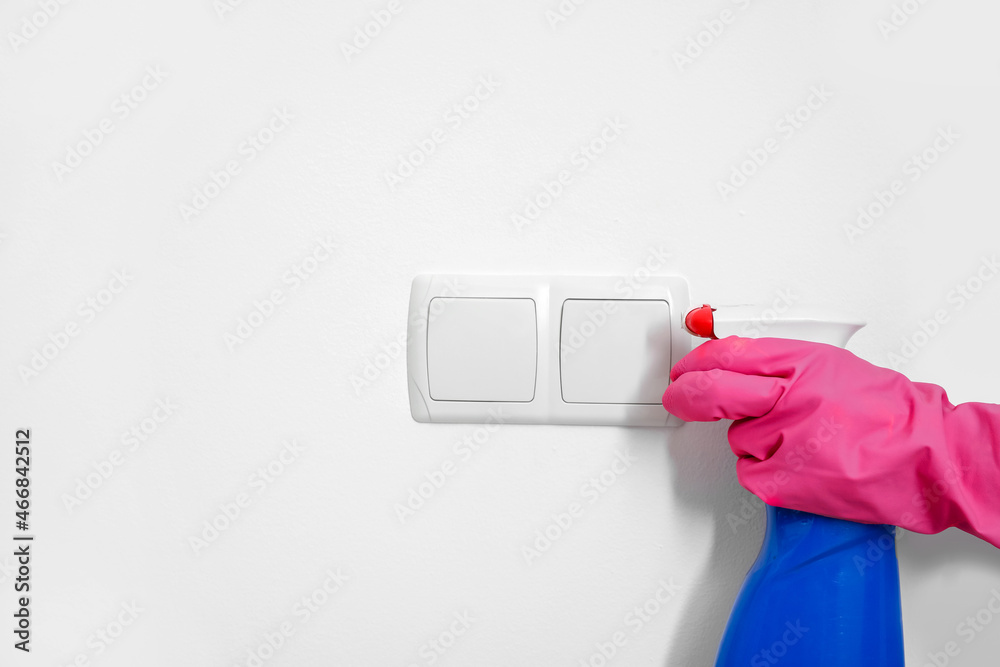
(823, 592)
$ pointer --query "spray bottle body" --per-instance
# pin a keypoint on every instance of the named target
(822, 593)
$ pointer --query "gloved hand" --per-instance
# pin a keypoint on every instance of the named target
(820, 430)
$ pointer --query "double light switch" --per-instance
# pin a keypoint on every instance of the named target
(543, 349)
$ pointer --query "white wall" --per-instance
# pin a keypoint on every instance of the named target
(323, 176)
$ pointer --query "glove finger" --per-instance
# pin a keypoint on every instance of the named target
(776, 357)
(718, 394)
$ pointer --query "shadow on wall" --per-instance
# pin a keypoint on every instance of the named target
(704, 479)
(953, 550)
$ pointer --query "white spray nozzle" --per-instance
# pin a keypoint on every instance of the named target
(810, 324)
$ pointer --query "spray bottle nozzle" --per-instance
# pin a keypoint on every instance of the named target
(811, 324)
(700, 322)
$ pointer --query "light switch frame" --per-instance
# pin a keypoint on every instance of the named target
(548, 293)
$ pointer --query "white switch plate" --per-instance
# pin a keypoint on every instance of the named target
(482, 350)
(544, 349)
(614, 351)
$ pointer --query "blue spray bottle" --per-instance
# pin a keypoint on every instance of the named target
(823, 592)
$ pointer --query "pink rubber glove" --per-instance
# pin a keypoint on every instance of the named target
(820, 430)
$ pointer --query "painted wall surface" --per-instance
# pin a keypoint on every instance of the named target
(212, 212)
